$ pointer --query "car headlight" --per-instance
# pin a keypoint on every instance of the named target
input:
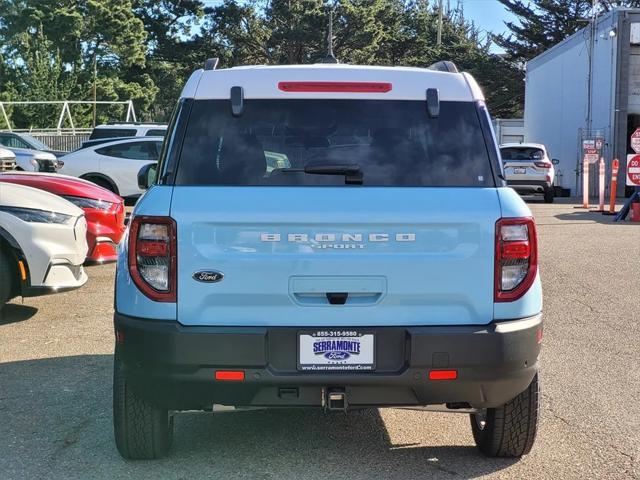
(84, 202)
(35, 215)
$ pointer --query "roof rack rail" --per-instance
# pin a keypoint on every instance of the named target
(116, 122)
(444, 66)
(211, 63)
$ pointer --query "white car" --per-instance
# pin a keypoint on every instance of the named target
(43, 243)
(7, 160)
(114, 130)
(528, 169)
(34, 160)
(114, 165)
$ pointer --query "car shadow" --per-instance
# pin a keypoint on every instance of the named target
(590, 216)
(58, 424)
(14, 313)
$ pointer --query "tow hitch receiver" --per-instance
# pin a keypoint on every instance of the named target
(335, 399)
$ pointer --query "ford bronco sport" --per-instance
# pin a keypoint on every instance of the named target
(328, 236)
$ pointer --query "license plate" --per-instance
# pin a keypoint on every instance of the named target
(519, 171)
(335, 350)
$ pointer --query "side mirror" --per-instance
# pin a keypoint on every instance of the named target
(147, 175)
(555, 161)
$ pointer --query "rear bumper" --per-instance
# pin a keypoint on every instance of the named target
(529, 186)
(174, 366)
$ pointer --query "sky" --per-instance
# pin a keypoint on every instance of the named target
(488, 15)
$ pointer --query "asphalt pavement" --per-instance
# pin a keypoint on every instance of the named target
(56, 367)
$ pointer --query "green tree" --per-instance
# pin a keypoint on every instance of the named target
(541, 24)
(79, 32)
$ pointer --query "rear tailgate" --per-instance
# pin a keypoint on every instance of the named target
(404, 256)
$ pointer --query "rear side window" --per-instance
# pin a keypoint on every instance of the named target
(112, 133)
(393, 143)
(521, 153)
(155, 133)
(132, 150)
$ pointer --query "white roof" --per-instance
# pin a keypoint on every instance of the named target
(524, 145)
(262, 82)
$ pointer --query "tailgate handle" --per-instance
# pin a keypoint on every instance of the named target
(336, 298)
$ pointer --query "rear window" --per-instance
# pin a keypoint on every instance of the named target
(112, 133)
(521, 153)
(393, 143)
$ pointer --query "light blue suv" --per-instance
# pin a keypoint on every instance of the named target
(328, 236)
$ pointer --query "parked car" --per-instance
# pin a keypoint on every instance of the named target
(24, 140)
(35, 160)
(380, 261)
(114, 165)
(528, 169)
(135, 129)
(43, 243)
(7, 160)
(103, 209)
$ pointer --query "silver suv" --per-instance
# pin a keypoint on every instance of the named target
(528, 170)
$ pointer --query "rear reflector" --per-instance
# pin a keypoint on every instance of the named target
(443, 374)
(230, 375)
(349, 87)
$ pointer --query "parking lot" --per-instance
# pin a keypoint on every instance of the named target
(56, 366)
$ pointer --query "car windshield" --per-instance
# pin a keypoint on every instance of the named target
(34, 142)
(521, 153)
(294, 142)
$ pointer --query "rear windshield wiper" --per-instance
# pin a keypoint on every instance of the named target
(352, 172)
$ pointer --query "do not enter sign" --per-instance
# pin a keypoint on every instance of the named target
(635, 140)
(633, 170)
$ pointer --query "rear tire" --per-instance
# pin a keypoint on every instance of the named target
(6, 278)
(510, 430)
(101, 182)
(549, 195)
(142, 430)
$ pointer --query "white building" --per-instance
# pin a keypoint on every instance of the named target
(569, 97)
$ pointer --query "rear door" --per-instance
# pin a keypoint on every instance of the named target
(411, 243)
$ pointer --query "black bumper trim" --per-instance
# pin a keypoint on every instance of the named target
(174, 365)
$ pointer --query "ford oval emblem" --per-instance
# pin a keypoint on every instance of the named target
(208, 276)
(336, 355)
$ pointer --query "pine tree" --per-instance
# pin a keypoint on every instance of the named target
(541, 24)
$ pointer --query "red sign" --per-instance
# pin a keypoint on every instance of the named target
(635, 140)
(633, 170)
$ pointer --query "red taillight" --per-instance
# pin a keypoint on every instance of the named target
(516, 250)
(350, 87)
(543, 164)
(230, 375)
(443, 374)
(153, 257)
(516, 262)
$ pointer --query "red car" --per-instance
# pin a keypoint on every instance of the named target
(103, 209)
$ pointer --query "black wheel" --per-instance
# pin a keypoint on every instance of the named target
(101, 182)
(510, 430)
(7, 276)
(142, 430)
(548, 195)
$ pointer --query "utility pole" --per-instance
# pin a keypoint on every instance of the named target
(439, 39)
(95, 77)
